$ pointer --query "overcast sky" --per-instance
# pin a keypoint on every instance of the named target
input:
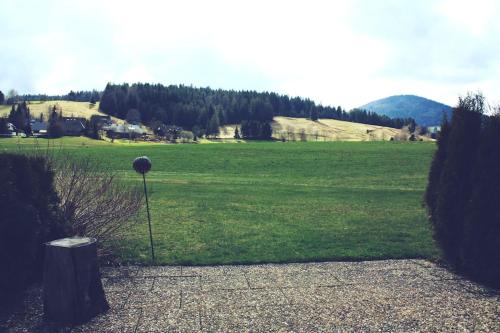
(335, 52)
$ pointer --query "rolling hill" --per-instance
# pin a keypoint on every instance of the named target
(300, 129)
(69, 109)
(288, 128)
(426, 112)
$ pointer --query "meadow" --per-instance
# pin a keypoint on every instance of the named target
(67, 108)
(272, 201)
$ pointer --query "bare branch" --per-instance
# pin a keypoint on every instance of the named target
(93, 200)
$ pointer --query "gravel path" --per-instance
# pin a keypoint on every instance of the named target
(389, 295)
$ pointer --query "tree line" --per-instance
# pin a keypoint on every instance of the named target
(203, 110)
(13, 97)
(19, 116)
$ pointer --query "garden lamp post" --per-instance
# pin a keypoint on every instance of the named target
(142, 165)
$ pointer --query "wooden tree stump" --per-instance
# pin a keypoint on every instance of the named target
(72, 288)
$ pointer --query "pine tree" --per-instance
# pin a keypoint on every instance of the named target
(213, 125)
(55, 129)
(53, 116)
(12, 113)
(481, 246)
(245, 129)
(436, 169)
(266, 131)
(18, 116)
(3, 126)
(314, 114)
(455, 185)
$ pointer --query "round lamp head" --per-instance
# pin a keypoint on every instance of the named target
(142, 164)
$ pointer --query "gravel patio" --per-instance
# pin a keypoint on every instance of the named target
(388, 295)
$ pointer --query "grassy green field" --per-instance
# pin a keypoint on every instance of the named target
(273, 201)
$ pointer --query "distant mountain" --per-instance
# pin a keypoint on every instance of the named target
(426, 112)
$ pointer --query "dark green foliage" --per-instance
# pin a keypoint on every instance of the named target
(266, 131)
(92, 129)
(253, 129)
(314, 114)
(463, 191)
(19, 116)
(133, 116)
(213, 125)
(431, 193)
(29, 217)
(455, 186)
(3, 126)
(2, 98)
(78, 96)
(198, 132)
(55, 130)
(53, 116)
(237, 133)
(368, 117)
(481, 241)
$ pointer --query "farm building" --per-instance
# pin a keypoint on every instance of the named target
(73, 126)
(100, 121)
(38, 128)
(124, 131)
(12, 131)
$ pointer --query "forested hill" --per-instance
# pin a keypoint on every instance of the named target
(207, 108)
(425, 111)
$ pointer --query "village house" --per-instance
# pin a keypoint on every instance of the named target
(100, 121)
(38, 128)
(73, 126)
(124, 131)
(13, 131)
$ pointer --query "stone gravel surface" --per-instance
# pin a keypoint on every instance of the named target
(374, 296)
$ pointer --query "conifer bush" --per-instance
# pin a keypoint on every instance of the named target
(463, 188)
(29, 217)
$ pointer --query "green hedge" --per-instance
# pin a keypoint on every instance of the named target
(28, 218)
(463, 192)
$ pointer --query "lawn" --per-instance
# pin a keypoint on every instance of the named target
(272, 201)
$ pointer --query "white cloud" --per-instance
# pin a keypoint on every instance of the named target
(336, 52)
(474, 17)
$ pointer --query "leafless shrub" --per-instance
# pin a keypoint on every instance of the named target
(302, 134)
(403, 135)
(496, 110)
(290, 133)
(94, 202)
(187, 136)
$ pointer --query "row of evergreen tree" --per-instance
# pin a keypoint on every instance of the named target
(464, 188)
(20, 116)
(77, 96)
(191, 107)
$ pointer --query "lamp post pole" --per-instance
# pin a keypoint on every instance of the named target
(142, 165)
(149, 219)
